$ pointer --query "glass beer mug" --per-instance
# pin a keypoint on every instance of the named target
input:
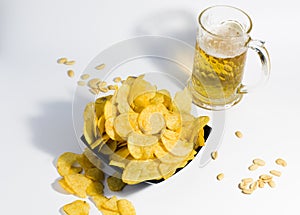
(220, 55)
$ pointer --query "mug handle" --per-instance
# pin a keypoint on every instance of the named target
(260, 49)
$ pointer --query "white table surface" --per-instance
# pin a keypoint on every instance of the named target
(36, 103)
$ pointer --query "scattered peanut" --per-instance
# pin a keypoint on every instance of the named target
(62, 60)
(71, 62)
(275, 172)
(84, 76)
(238, 134)
(101, 66)
(117, 79)
(214, 155)
(81, 83)
(271, 183)
(281, 162)
(70, 73)
(253, 167)
(259, 162)
(220, 176)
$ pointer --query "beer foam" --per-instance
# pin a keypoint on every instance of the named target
(224, 48)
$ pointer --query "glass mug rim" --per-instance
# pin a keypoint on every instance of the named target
(246, 31)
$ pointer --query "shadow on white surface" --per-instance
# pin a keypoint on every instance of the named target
(52, 129)
(178, 23)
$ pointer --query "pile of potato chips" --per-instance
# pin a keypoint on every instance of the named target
(143, 131)
(81, 178)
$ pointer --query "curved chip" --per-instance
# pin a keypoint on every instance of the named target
(183, 100)
(122, 99)
(125, 207)
(151, 119)
(65, 164)
(109, 129)
(110, 110)
(90, 124)
(100, 103)
(78, 183)
(125, 123)
(77, 207)
(137, 171)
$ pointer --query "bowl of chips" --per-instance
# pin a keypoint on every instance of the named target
(134, 116)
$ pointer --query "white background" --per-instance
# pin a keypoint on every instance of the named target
(36, 103)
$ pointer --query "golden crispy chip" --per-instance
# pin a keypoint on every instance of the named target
(109, 147)
(78, 207)
(89, 125)
(65, 164)
(84, 162)
(78, 183)
(138, 144)
(121, 99)
(111, 204)
(100, 103)
(183, 101)
(95, 174)
(171, 159)
(110, 110)
(139, 87)
(159, 150)
(101, 125)
(125, 207)
(171, 135)
(99, 200)
(173, 121)
(109, 129)
(143, 100)
(115, 182)
(101, 141)
(167, 169)
(200, 140)
(182, 148)
(151, 119)
(120, 154)
(119, 164)
(65, 186)
(95, 188)
(123, 124)
(137, 171)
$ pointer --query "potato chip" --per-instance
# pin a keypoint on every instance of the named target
(108, 212)
(65, 164)
(182, 148)
(120, 154)
(89, 125)
(125, 207)
(65, 186)
(139, 87)
(110, 110)
(95, 188)
(109, 147)
(100, 103)
(121, 99)
(137, 171)
(173, 120)
(111, 204)
(143, 100)
(138, 139)
(151, 119)
(115, 182)
(159, 150)
(119, 164)
(109, 128)
(84, 162)
(123, 124)
(167, 169)
(78, 207)
(99, 200)
(183, 100)
(78, 183)
(95, 174)
(101, 125)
